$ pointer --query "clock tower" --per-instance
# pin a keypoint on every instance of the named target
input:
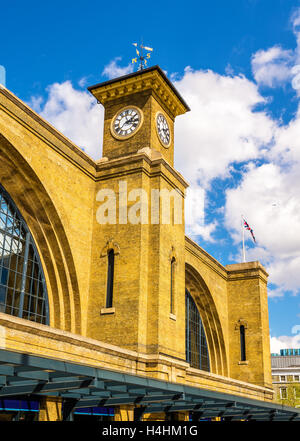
(138, 291)
(140, 109)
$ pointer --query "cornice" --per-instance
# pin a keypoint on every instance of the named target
(237, 268)
(234, 272)
(151, 80)
(228, 380)
(155, 167)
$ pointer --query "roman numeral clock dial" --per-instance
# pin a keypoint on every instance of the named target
(126, 122)
(163, 130)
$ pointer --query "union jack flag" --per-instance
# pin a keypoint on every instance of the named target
(246, 225)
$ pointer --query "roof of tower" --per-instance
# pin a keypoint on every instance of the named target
(152, 78)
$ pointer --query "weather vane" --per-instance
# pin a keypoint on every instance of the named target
(143, 59)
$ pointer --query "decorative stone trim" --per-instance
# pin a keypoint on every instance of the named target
(241, 322)
(173, 255)
(150, 80)
(107, 311)
(110, 245)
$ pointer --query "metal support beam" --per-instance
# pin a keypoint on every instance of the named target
(118, 401)
(138, 412)
(68, 408)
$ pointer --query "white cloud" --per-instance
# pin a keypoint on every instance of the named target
(36, 103)
(295, 20)
(222, 127)
(83, 82)
(284, 342)
(75, 113)
(229, 70)
(269, 197)
(113, 70)
(295, 329)
(272, 67)
(276, 66)
(194, 214)
(2, 75)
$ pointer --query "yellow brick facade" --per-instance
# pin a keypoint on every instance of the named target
(55, 186)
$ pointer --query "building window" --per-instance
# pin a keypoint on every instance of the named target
(283, 393)
(196, 345)
(243, 343)
(296, 377)
(110, 278)
(282, 378)
(173, 263)
(22, 283)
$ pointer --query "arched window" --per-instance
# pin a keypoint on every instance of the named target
(173, 263)
(22, 283)
(196, 345)
(110, 278)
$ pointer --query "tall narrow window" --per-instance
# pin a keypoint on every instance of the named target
(173, 262)
(243, 343)
(110, 278)
(196, 345)
(22, 283)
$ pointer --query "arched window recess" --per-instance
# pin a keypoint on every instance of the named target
(23, 290)
(173, 264)
(196, 345)
(110, 278)
(109, 251)
(242, 326)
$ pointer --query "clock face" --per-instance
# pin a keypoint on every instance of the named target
(163, 130)
(126, 122)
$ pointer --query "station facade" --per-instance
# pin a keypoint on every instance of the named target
(95, 272)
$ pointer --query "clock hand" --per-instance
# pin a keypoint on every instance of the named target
(127, 120)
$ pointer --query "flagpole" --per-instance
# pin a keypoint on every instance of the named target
(243, 238)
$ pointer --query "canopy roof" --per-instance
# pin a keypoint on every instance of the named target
(85, 386)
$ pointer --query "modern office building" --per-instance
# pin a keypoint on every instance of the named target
(107, 307)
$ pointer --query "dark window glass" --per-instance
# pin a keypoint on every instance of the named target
(196, 345)
(110, 278)
(172, 285)
(22, 283)
(243, 343)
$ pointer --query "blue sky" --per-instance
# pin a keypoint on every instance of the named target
(236, 63)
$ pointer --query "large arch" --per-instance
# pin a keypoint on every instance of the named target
(23, 291)
(213, 330)
(43, 221)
